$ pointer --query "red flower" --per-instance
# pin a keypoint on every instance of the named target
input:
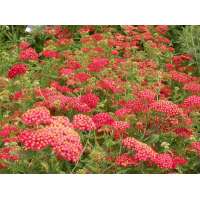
(126, 160)
(28, 54)
(183, 132)
(36, 116)
(192, 87)
(16, 70)
(90, 99)
(83, 122)
(82, 77)
(24, 45)
(102, 119)
(167, 107)
(50, 54)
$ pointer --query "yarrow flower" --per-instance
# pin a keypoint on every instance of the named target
(83, 122)
(28, 54)
(196, 147)
(82, 77)
(102, 119)
(63, 140)
(180, 77)
(183, 132)
(98, 64)
(191, 102)
(192, 87)
(50, 54)
(167, 107)
(90, 99)
(16, 70)
(126, 160)
(7, 130)
(36, 116)
(145, 153)
(147, 96)
(24, 45)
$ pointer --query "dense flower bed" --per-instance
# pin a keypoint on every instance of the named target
(108, 99)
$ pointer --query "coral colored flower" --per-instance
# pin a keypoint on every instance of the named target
(167, 107)
(82, 77)
(147, 96)
(50, 54)
(83, 122)
(164, 161)
(142, 150)
(162, 29)
(28, 54)
(7, 130)
(120, 126)
(98, 64)
(192, 102)
(36, 116)
(16, 70)
(102, 119)
(192, 87)
(97, 36)
(126, 160)
(63, 140)
(122, 112)
(17, 95)
(183, 132)
(180, 77)
(90, 99)
(196, 147)
(24, 45)
(114, 52)
(66, 71)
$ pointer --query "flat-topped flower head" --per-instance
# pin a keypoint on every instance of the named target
(36, 116)
(83, 122)
(16, 70)
(28, 54)
(167, 107)
(102, 119)
(191, 102)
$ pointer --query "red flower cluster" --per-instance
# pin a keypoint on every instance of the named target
(191, 102)
(181, 77)
(192, 87)
(126, 160)
(7, 130)
(167, 107)
(183, 132)
(102, 119)
(28, 54)
(50, 54)
(90, 99)
(83, 122)
(98, 64)
(145, 153)
(16, 70)
(64, 141)
(36, 116)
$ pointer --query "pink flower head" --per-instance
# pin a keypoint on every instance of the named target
(28, 54)
(83, 122)
(36, 116)
(192, 87)
(50, 54)
(167, 107)
(24, 45)
(16, 70)
(183, 132)
(102, 119)
(90, 99)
